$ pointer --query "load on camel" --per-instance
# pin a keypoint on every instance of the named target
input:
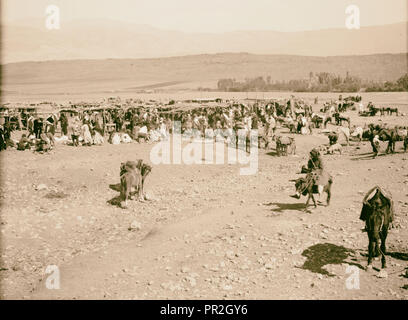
(378, 214)
(317, 180)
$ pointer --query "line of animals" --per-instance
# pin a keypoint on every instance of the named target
(372, 111)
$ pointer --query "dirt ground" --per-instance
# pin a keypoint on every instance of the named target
(207, 233)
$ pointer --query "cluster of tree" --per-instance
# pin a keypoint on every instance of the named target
(400, 85)
(318, 82)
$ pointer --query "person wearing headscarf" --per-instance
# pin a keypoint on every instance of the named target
(375, 144)
(24, 143)
(315, 165)
(64, 124)
(75, 131)
(3, 145)
(86, 133)
(44, 143)
(315, 161)
(38, 127)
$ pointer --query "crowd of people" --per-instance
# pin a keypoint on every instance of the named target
(88, 127)
(152, 123)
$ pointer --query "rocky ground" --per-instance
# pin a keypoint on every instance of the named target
(207, 233)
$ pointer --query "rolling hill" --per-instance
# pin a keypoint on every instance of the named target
(187, 71)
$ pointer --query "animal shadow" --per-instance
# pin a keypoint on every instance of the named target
(281, 207)
(115, 187)
(322, 254)
(365, 157)
(116, 201)
(56, 195)
(398, 255)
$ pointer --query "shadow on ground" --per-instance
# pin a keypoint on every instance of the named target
(115, 201)
(364, 156)
(398, 255)
(272, 153)
(281, 207)
(115, 187)
(369, 156)
(322, 254)
(56, 195)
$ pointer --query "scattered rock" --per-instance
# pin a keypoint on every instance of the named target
(230, 254)
(382, 274)
(295, 251)
(41, 186)
(149, 197)
(227, 287)
(135, 225)
(185, 269)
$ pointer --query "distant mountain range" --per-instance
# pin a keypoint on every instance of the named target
(100, 39)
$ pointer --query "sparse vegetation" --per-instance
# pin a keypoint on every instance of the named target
(317, 82)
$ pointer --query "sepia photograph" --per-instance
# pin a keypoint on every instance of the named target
(184, 150)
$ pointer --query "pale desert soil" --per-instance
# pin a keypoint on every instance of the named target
(208, 233)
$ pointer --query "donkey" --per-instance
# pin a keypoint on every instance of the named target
(377, 212)
(390, 111)
(310, 185)
(339, 119)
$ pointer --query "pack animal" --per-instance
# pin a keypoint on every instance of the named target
(282, 145)
(132, 177)
(377, 211)
(334, 147)
(308, 186)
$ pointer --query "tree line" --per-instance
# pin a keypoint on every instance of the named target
(317, 82)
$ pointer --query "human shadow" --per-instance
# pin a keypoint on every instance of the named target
(322, 254)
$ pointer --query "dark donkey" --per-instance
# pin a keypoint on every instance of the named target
(377, 212)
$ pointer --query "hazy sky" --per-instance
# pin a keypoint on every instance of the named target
(215, 15)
